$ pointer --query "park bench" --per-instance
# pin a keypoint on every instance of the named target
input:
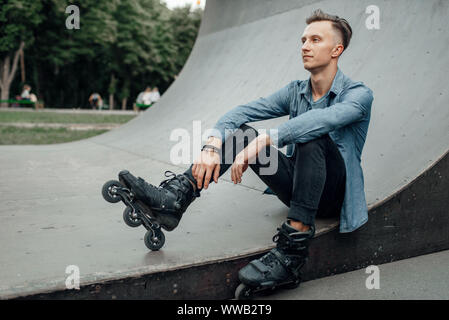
(25, 103)
(141, 106)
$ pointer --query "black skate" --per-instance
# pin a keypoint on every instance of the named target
(154, 207)
(279, 268)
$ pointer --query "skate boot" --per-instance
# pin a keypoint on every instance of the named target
(166, 203)
(278, 268)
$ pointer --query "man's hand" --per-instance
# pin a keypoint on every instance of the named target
(238, 167)
(248, 154)
(207, 165)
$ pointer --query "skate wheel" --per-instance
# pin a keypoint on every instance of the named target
(154, 239)
(108, 191)
(243, 292)
(131, 221)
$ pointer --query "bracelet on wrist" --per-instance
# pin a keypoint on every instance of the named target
(210, 148)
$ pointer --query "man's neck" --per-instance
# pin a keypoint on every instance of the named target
(321, 81)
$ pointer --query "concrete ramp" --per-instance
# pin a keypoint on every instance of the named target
(53, 216)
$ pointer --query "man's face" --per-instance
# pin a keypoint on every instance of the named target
(319, 45)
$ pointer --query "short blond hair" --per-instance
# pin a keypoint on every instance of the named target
(339, 24)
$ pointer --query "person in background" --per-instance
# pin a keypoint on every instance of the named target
(95, 101)
(25, 95)
(33, 97)
(139, 99)
(155, 95)
(147, 97)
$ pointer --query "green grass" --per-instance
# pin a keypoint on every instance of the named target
(53, 117)
(13, 135)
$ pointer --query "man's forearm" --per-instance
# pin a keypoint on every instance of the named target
(255, 146)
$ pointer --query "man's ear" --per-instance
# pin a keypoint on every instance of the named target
(337, 50)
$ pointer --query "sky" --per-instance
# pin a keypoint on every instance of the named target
(179, 3)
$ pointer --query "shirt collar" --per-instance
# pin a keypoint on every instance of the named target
(337, 85)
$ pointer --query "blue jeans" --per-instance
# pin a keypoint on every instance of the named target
(311, 182)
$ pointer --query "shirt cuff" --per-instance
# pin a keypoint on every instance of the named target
(280, 136)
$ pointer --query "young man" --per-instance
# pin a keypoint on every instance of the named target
(321, 174)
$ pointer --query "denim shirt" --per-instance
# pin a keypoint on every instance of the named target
(343, 112)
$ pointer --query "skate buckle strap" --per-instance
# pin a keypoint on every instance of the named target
(259, 266)
(283, 259)
(286, 262)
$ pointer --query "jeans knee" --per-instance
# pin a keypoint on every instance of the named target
(312, 145)
(245, 134)
(239, 140)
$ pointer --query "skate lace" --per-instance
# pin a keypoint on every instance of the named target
(291, 250)
(288, 242)
(287, 239)
(166, 184)
(270, 259)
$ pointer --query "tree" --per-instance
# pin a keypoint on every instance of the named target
(184, 24)
(17, 20)
(144, 44)
(122, 46)
(68, 63)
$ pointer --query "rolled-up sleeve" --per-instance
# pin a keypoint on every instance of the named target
(355, 104)
(274, 106)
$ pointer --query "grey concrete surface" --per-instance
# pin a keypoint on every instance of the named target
(420, 278)
(52, 212)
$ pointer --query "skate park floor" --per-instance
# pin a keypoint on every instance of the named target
(420, 278)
